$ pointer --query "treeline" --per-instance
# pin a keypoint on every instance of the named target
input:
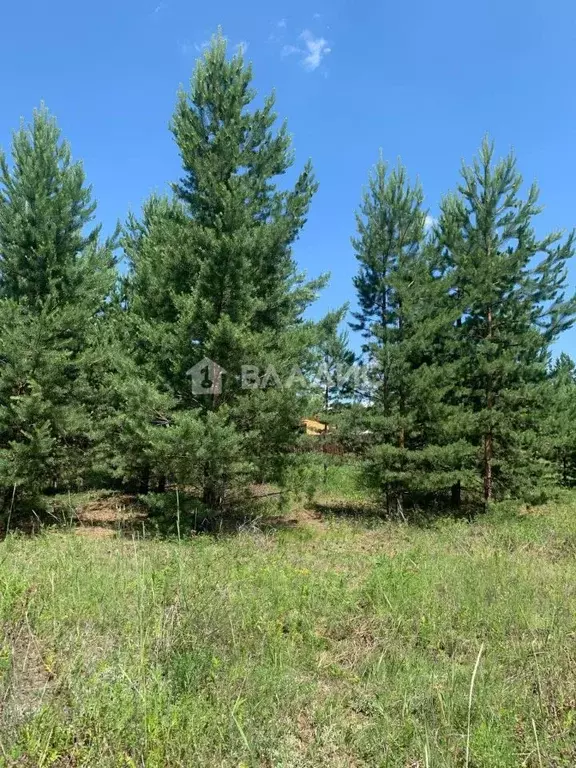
(459, 323)
(112, 350)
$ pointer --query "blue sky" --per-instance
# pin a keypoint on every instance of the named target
(420, 80)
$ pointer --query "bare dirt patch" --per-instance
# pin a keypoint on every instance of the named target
(110, 509)
(106, 516)
(297, 518)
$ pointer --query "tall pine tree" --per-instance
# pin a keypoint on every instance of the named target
(405, 319)
(508, 287)
(55, 281)
(212, 273)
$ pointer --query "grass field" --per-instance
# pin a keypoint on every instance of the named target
(327, 641)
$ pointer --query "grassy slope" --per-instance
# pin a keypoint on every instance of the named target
(340, 644)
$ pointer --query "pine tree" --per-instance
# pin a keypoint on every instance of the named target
(55, 279)
(508, 286)
(561, 419)
(212, 273)
(390, 237)
(406, 319)
(336, 375)
(163, 268)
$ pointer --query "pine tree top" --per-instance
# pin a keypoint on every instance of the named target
(45, 210)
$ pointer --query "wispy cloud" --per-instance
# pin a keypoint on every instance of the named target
(199, 47)
(311, 51)
(158, 10)
(241, 47)
(278, 33)
(429, 222)
(316, 49)
(288, 50)
(187, 48)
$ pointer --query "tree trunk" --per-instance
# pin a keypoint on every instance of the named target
(145, 480)
(456, 490)
(211, 496)
(488, 467)
(400, 506)
(456, 494)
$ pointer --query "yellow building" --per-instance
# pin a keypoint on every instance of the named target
(315, 427)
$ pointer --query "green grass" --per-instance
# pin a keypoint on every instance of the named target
(340, 644)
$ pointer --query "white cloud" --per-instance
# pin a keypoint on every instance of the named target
(311, 53)
(160, 7)
(279, 32)
(429, 222)
(189, 49)
(316, 49)
(241, 47)
(288, 50)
